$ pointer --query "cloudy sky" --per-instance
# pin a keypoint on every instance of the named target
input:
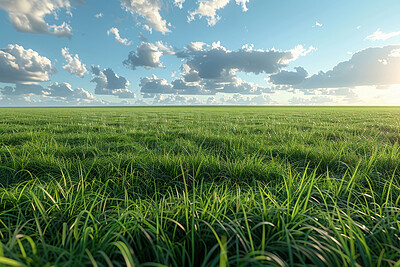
(199, 52)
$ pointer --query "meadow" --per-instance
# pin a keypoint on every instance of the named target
(200, 186)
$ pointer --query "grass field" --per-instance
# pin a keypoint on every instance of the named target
(180, 186)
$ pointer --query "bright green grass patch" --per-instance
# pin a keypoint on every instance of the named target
(200, 186)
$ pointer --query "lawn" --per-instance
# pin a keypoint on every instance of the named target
(200, 186)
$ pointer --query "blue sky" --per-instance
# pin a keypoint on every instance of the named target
(256, 52)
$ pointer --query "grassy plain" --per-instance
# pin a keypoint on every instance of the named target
(200, 186)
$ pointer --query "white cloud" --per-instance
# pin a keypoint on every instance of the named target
(148, 55)
(60, 90)
(235, 99)
(118, 38)
(19, 65)
(150, 10)
(243, 4)
(238, 99)
(65, 92)
(209, 8)
(165, 100)
(374, 66)
(99, 15)
(195, 46)
(55, 94)
(23, 89)
(179, 3)
(317, 24)
(151, 86)
(211, 69)
(378, 35)
(298, 51)
(394, 53)
(288, 77)
(341, 95)
(29, 16)
(230, 84)
(73, 65)
(109, 83)
(211, 61)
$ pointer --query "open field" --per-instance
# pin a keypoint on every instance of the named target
(180, 186)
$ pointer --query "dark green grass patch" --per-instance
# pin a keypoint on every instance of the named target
(202, 186)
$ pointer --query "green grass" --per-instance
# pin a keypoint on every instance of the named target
(200, 186)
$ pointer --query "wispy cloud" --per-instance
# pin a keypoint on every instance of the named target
(317, 24)
(118, 38)
(378, 35)
(208, 9)
(150, 11)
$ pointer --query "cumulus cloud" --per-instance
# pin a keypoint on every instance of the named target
(55, 94)
(148, 55)
(238, 99)
(183, 88)
(211, 69)
(374, 66)
(378, 35)
(209, 8)
(150, 11)
(23, 89)
(343, 94)
(243, 4)
(118, 38)
(152, 86)
(243, 87)
(195, 46)
(60, 90)
(344, 91)
(73, 65)
(109, 83)
(235, 99)
(179, 3)
(210, 62)
(163, 100)
(285, 77)
(20, 65)
(16, 101)
(29, 16)
(66, 93)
